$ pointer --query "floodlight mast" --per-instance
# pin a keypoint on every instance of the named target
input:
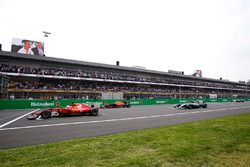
(46, 34)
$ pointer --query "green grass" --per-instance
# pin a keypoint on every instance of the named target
(217, 142)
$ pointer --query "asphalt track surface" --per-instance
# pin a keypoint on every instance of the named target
(16, 130)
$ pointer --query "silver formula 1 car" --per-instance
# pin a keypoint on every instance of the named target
(192, 105)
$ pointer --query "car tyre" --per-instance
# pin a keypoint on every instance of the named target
(94, 112)
(46, 114)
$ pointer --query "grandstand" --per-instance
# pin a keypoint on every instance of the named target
(38, 77)
(4, 80)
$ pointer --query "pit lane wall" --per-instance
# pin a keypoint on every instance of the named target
(28, 104)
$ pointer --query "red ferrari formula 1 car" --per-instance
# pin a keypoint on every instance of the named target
(117, 104)
(73, 109)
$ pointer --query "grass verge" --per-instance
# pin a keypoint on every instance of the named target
(216, 142)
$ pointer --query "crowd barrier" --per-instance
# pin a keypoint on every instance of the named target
(29, 104)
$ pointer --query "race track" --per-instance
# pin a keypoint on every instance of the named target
(16, 130)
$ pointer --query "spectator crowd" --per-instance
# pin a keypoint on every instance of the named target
(114, 76)
(78, 86)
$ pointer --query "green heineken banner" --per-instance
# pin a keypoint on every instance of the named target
(27, 104)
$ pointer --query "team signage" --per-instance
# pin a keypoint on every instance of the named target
(176, 72)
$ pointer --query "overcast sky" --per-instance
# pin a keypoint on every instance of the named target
(184, 35)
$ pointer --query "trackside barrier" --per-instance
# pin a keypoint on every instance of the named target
(27, 104)
(177, 101)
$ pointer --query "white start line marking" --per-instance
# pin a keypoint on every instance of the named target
(7, 123)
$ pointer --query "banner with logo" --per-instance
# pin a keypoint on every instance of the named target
(27, 104)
